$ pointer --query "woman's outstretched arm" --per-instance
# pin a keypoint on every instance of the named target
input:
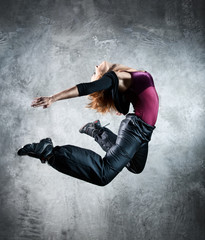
(80, 89)
(45, 102)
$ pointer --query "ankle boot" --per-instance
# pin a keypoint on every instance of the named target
(42, 150)
(91, 128)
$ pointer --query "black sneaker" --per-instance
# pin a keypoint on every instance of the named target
(92, 128)
(42, 150)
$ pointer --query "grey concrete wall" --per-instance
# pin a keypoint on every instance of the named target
(48, 46)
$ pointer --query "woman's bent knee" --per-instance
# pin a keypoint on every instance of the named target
(106, 180)
(135, 170)
(138, 171)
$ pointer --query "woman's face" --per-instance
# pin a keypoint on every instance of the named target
(99, 71)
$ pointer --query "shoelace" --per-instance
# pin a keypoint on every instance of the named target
(106, 124)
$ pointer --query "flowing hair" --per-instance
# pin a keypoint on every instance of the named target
(102, 100)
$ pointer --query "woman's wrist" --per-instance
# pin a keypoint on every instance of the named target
(53, 99)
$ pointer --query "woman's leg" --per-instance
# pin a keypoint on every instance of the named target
(137, 164)
(106, 139)
(89, 166)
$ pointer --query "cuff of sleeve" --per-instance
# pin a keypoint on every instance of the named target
(80, 89)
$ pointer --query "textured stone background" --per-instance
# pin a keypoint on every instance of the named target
(48, 46)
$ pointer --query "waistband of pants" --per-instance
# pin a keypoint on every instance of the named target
(144, 129)
(132, 115)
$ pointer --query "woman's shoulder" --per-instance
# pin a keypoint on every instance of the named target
(125, 80)
(126, 74)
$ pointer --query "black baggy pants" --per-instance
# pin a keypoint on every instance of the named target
(125, 149)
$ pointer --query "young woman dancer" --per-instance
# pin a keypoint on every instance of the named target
(112, 88)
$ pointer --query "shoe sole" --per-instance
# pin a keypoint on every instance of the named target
(48, 143)
(95, 122)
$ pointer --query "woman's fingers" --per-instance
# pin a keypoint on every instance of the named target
(37, 100)
(41, 102)
(38, 104)
(40, 99)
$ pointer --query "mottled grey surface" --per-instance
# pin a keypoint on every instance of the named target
(48, 46)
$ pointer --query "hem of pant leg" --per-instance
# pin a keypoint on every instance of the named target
(51, 160)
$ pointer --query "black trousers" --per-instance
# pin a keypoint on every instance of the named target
(129, 148)
(106, 139)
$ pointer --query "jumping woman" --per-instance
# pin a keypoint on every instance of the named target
(112, 88)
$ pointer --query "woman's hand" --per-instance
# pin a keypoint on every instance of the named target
(44, 102)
